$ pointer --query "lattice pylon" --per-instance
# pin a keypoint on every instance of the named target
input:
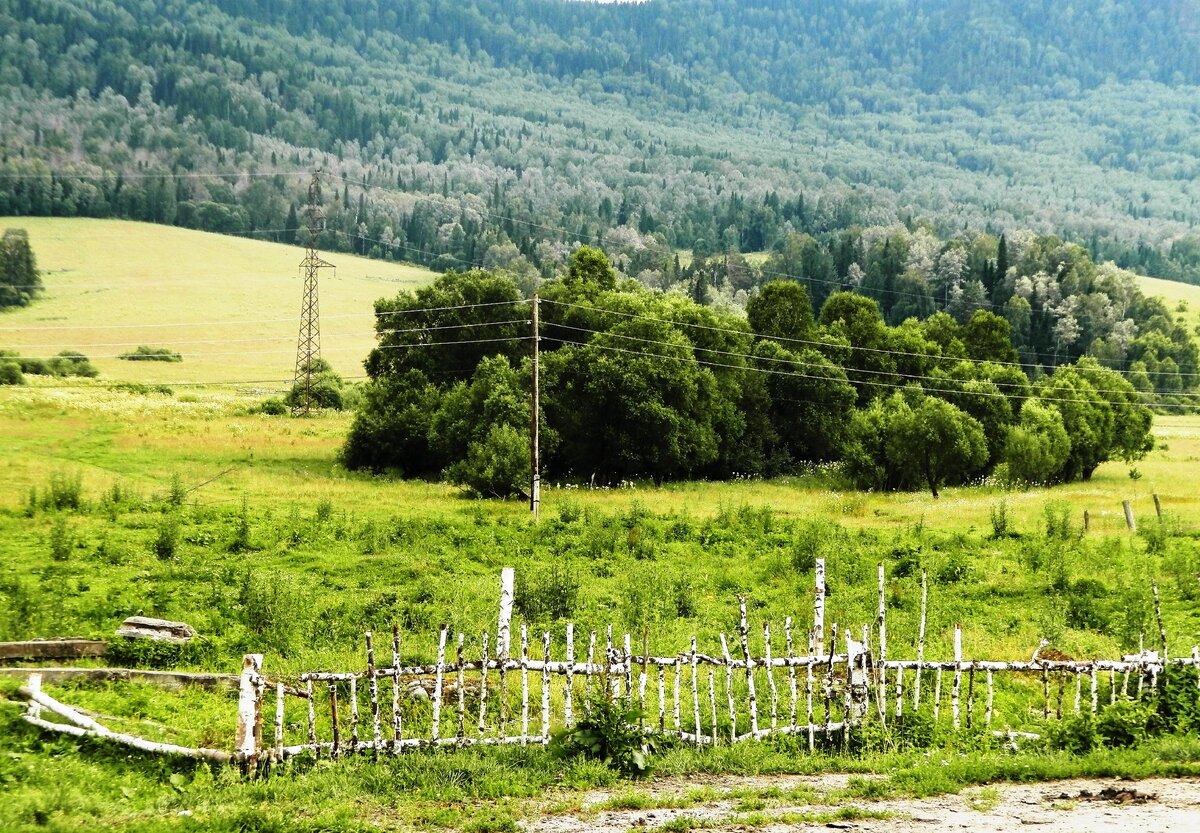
(308, 344)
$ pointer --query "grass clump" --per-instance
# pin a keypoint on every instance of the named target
(145, 353)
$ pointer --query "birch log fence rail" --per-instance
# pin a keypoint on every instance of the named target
(519, 694)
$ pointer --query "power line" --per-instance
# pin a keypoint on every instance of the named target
(820, 344)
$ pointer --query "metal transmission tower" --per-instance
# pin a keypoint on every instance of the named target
(308, 346)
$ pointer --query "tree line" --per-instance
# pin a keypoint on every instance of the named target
(644, 384)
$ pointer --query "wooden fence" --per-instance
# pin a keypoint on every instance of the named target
(489, 691)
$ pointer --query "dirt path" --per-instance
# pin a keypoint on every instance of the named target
(776, 803)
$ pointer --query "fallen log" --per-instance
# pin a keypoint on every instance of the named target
(70, 647)
(169, 680)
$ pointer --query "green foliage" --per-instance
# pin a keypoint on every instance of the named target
(166, 541)
(549, 593)
(1038, 445)
(611, 732)
(62, 540)
(145, 353)
(10, 373)
(20, 279)
(326, 389)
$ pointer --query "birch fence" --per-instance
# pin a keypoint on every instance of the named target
(511, 689)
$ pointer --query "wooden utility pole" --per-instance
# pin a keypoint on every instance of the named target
(535, 476)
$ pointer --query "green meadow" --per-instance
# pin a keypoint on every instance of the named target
(118, 500)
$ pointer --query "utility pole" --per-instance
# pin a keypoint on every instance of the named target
(308, 345)
(535, 475)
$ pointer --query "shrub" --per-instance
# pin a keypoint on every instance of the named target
(1001, 521)
(273, 407)
(166, 542)
(496, 466)
(65, 491)
(151, 354)
(549, 593)
(610, 733)
(1123, 723)
(10, 373)
(70, 363)
(62, 541)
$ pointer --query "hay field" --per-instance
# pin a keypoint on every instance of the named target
(229, 305)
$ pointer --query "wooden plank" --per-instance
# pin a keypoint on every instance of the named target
(170, 680)
(71, 647)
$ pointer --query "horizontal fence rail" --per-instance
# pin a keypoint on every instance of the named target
(818, 686)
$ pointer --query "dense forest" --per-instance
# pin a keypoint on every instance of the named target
(502, 134)
(639, 383)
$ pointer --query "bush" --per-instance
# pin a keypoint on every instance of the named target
(550, 593)
(62, 541)
(64, 492)
(273, 407)
(496, 466)
(166, 542)
(151, 354)
(328, 389)
(10, 373)
(610, 733)
(70, 363)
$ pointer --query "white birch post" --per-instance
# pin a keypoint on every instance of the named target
(675, 694)
(504, 642)
(1162, 630)
(1095, 690)
(937, 694)
(744, 629)
(819, 609)
(312, 717)
(828, 685)
(248, 738)
(437, 683)
(279, 721)
(546, 688)
(662, 698)
(791, 656)
(628, 675)
(643, 675)
(373, 687)
(987, 718)
(336, 748)
(569, 694)
(954, 691)
(461, 683)
(712, 701)
(1078, 691)
(397, 720)
(921, 641)
(483, 690)
(353, 714)
(808, 691)
(770, 676)
(729, 689)
(899, 690)
(695, 692)
(1196, 664)
(587, 678)
(881, 670)
(524, 683)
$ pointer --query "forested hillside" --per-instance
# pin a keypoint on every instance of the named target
(501, 133)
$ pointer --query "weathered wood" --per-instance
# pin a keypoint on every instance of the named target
(787, 632)
(987, 720)
(248, 738)
(397, 719)
(819, 607)
(84, 726)
(627, 678)
(373, 690)
(524, 681)
(937, 694)
(921, 641)
(712, 701)
(157, 630)
(587, 680)
(354, 712)
(279, 695)
(569, 693)
(1129, 520)
(69, 647)
(899, 691)
(335, 750)
(957, 685)
(167, 680)
(483, 687)
(744, 631)
(1157, 506)
(770, 675)
(808, 691)
(312, 714)
(462, 691)
(675, 697)
(504, 622)
(545, 689)
(880, 670)
(695, 693)
(435, 729)
(729, 689)
(1087, 520)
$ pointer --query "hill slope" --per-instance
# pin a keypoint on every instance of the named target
(541, 120)
(230, 306)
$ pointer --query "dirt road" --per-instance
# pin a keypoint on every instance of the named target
(772, 804)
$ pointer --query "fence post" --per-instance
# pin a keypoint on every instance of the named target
(248, 739)
(1157, 506)
(1129, 521)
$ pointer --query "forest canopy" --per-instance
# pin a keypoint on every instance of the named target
(644, 384)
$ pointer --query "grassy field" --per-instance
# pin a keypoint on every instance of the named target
(191, 506)
(229, 305)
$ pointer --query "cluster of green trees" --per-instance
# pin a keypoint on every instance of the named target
(639, 384)
(508, 132)
(20, 279)
(14, 367)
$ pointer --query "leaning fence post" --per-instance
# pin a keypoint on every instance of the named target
(248, 739)
(1157, 506)
(1129, 521)
(744, 629)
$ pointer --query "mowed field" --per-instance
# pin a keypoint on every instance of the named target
(230, 306)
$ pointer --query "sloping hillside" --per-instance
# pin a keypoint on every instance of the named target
(230, 306)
